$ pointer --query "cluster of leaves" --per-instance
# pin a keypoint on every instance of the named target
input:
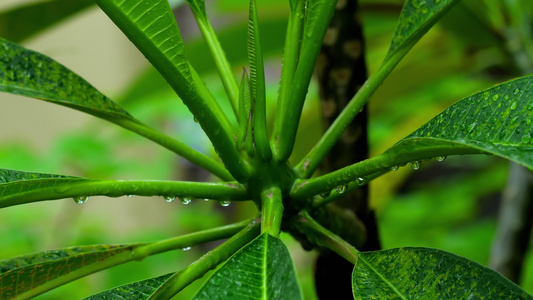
(253, 262)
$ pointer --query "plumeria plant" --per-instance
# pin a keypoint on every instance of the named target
(253, 163)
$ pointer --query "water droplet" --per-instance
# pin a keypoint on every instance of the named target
(195, 120)
(394, 168)
(513, 120)
(495, 97)
(530, 106)
(415, 165)
(506, 97)
(206, 199)
(170, 198)
(80, 199)
(516, 91)
(186, 248)
(340, 189)
(129, 196)
(360, 181)
(224, 203)
(514, 105)
(440, 158)
(185, 200)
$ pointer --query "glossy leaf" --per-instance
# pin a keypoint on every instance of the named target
(416, 19)
(263, 269)
(415, 273)
(29, 73)
(136, 290)
(33, 272)
(18, 187)
(151, 26)
(497, 121)
(42, 15)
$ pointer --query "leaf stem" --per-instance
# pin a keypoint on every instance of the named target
(177, 147)
(207, 262)
(290, 63)
(305, 188)
(67, 188)
(257, 75)
(218, 54)
(325, 238)
(140, 252)
(272, 211)
(319, 16)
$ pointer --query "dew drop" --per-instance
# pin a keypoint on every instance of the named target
(325, 194)
(224, 203)
(471, 127)
(206, 199)
(516, 91)
(514, 105)
(394, 168)
(530, 106)
(129, 196)
(360, 181)
(526, 138)
(195, 120)
(185, 200)
(170, 198)
(186, 248)
(495, 97)
(513, 120)
(415, 165)
(440, 158)
(340, 189)
(80, 199)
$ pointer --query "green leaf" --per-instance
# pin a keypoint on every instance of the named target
(151, 26)
(415, 273)
(198, 7)
(417, 17)
(37, 272)
(136, 290)
(497, 120)
(42, 16)
(29, 73)
(263, 269)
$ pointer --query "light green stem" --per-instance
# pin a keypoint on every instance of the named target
(208, 261)
(221, 62)
(179, 148)
(272, 211)
(311, 46)
(138, 253)
(69, 188)
(306, 188)
(290, 62)
(322, 237)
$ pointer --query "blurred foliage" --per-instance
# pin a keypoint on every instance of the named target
(450, 205)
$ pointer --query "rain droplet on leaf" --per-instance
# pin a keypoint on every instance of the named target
(170, 198)
(415, 165)
(224, 203)
(514, 105)
(186, 248)
(340, 189)
(516, 91)
(185, 200)
(440, 158)
(360, 181)
(80, 199)
(394, 168)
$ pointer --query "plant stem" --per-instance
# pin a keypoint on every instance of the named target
(305, 188)
(272, 211)
(322, 13)
(257, 75)
(322, 237)
(179, 148)
(207, 262)
(290, 63)
(68, 188)
(222, 64)
(141, 252)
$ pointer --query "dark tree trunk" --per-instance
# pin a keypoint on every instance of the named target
(341, 71)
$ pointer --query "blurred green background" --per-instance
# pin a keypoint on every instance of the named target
(450, 205)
